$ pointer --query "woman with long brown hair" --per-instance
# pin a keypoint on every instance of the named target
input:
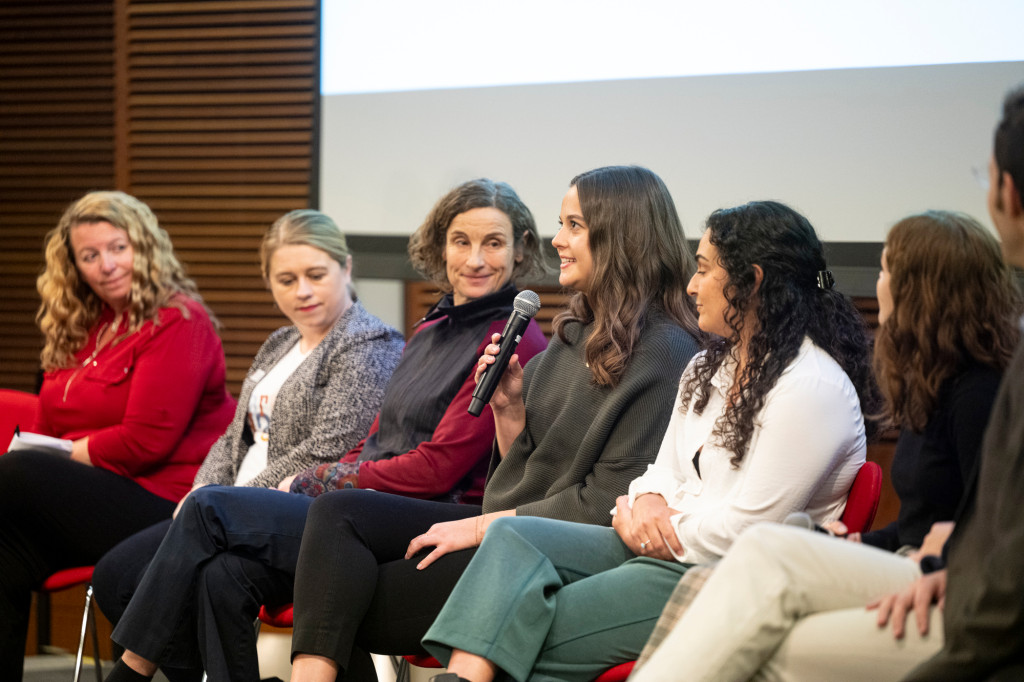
(948, 311)
(374, 570)
(767, 421)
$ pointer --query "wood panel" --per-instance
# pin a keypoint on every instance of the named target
(220, 136)
(56, 143)
(205, 110)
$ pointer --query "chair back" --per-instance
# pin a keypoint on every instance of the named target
(862, 502)
(17, 408)
(277, 616)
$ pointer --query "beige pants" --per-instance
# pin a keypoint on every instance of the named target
(788, 604)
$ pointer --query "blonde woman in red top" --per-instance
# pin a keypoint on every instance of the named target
(134, 378)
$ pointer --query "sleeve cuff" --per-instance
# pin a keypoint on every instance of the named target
(656, 481)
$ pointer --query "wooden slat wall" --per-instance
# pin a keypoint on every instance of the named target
(206, 110)
(220, 137)
(56, 142)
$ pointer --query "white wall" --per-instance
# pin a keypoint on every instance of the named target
(853, 149)
(385, 298)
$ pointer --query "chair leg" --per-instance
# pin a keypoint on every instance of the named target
(402, 669)
(81, 638)
(95, 641)
(42, 621)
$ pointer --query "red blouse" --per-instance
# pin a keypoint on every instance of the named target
(151, 404)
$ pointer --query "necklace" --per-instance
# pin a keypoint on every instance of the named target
(92, 357)
(99, 346)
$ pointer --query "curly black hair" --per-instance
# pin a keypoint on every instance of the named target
(789, 305)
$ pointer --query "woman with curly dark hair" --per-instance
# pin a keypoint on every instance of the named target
(948, 311)
(768, 422)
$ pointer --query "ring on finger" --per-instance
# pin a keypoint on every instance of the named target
(643, 545)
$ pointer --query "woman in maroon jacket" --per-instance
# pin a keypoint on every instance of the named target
(134, 379)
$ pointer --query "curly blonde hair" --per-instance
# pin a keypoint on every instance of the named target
(70, 308)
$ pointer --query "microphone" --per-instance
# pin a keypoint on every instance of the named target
(524, 307)
(803, 520)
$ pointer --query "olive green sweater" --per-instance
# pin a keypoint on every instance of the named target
(584, 443)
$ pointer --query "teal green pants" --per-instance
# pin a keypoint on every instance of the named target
(552, 600)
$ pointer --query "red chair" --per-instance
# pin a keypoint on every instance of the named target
(862, 502)
(277, 616)
(616, 674)
(66, 579)
(18, 409)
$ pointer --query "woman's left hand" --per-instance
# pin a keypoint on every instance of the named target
(80, 451)
(646, 528)
(449, 536)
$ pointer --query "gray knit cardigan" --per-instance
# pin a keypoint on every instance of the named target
(322, 410)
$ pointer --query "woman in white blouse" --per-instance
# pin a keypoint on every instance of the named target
(768, 422)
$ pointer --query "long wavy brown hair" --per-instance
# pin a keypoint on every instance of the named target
(641, 260)
(70, 308)
(955, 302)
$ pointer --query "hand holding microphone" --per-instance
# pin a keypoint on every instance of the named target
(525, 306)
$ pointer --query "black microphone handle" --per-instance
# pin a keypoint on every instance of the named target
(513, 332)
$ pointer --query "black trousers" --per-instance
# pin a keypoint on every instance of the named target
(117, 577)
(55, 514)
(355, 592)
(229, 551)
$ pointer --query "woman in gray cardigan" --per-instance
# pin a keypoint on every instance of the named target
(312, 391)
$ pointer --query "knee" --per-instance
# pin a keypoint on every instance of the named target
(525, 526)
(505, 532)
(204, 498)
(343, 502)
(210, 503)
(340, 510)
(501, 526)
(770, 546)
